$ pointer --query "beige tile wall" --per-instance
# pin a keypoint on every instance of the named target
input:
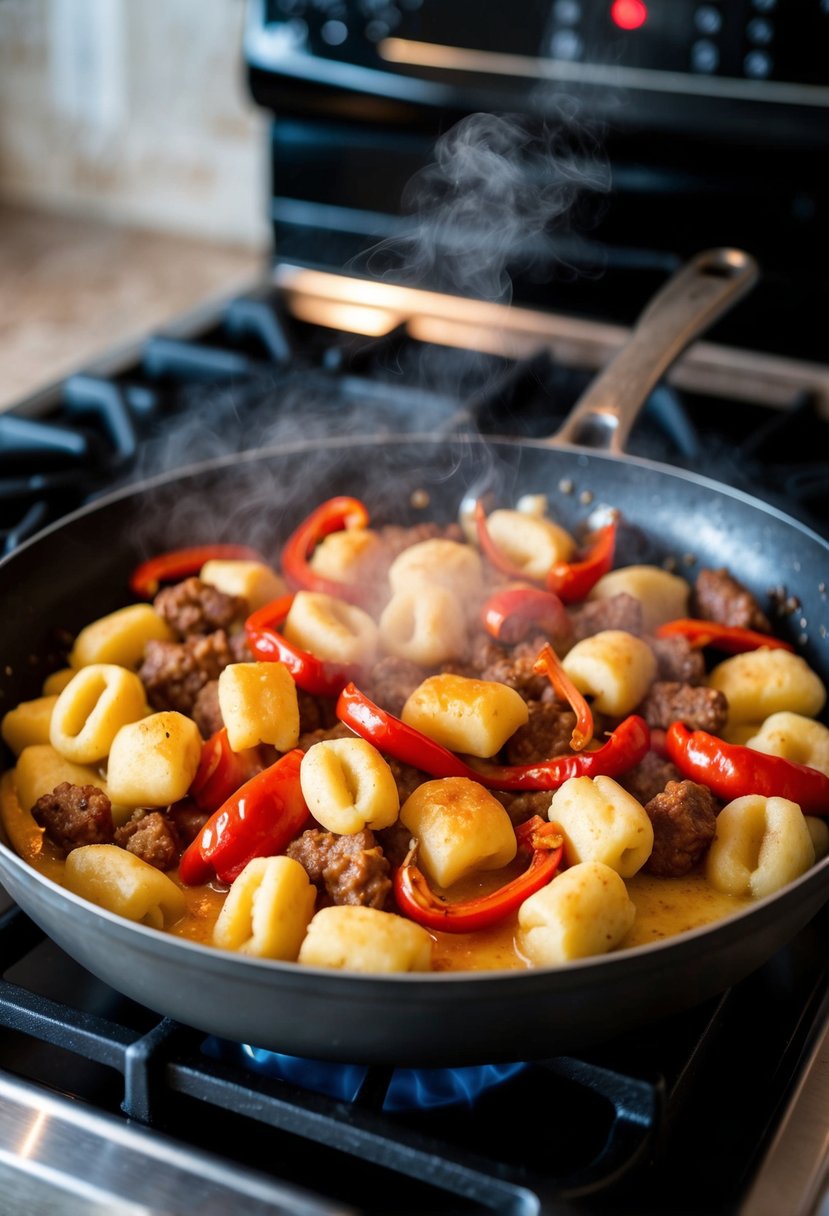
(134, 111)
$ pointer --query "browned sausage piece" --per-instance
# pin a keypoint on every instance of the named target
(349, 869)
(676, 659)
(75, 815)
(649, 777)
(719, 597)
(684, 818)
(174, 673)
(546, 734)
(194, 608)
(151, 836)
(616, 612)
(698, 707)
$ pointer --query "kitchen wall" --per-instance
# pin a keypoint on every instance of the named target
(133, 111)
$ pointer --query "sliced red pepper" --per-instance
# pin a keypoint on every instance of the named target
(332, 516)
(549, 664)
(573, 581)
(730, 638)
(416, 900)
(146, 579)
(509, 614)
(626, 746)
(259, 820)
(732, 771)
(266, 643)
(221, 771)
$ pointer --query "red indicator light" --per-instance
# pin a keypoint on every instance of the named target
(628, 14)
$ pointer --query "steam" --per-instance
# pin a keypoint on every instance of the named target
(503, 197)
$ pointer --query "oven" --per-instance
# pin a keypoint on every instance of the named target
(607, 142)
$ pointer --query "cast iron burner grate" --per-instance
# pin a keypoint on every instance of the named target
(565, 1134)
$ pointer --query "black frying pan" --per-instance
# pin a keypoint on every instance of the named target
(77, 570)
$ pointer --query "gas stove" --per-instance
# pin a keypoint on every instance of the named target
(701, 1113)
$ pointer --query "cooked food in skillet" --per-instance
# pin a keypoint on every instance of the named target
(429, 748)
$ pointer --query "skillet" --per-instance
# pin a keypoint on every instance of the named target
(77, 570)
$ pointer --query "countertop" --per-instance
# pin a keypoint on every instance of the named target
(72, 289)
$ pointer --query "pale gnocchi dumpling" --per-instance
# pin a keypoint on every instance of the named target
(819, 832)
(330, 628)
(794, 737)
(426, 626)
(761, 845)
(119, 881)
(94, 705)
(120, 637)
(466, 715)
(28, 723)
(601, 821)
(614, 668)
(153, 762)
(259, 704)
(459, 827)
(768, 681)
(530, 542)
(439, 562)
(255, 582)
(267, 910)
(584, 911)
(56, 681)
(663, 596)
(347, 556)
(349, 937)
(348, 786)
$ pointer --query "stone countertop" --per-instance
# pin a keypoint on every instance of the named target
(73, 289)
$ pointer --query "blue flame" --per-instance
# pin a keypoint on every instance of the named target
(409, 1088)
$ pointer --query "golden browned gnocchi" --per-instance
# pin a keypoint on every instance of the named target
(466, 715)
(761, 845)
(349, 786)
(460, 827)
(585, 911)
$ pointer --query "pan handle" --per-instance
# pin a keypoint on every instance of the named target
(689, 303)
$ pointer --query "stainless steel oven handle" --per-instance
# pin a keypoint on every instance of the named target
(689, 303)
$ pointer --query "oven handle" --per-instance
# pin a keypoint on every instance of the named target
(692, 299)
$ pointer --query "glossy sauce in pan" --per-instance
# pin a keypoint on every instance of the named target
(665, 907)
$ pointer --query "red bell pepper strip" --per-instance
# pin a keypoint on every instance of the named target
(221, 771)
(146, 579)
(509, 614)
(732, 771)
(313, 675)
(549, 664)
(730, 638)
(259, 820)
(573, 581)
(332, 516)
(416, 900)
(626, 746)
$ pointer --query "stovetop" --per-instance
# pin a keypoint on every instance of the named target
(677, 1118)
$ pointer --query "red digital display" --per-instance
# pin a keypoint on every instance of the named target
(628, 14)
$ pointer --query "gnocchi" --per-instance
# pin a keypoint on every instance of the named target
(153, 762)
(258, 703)
(763, 682)
(349, 786)
(585, 911)
(330, 628)
(615, 668)
(120, 637)
(531, 542)
(267, 910)
(92, 708)
(426, 626)
(761, 844)
(256, 582)
(122, 883)
(466, 715)
(365, 940)
(602, 822)
(460, 828)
